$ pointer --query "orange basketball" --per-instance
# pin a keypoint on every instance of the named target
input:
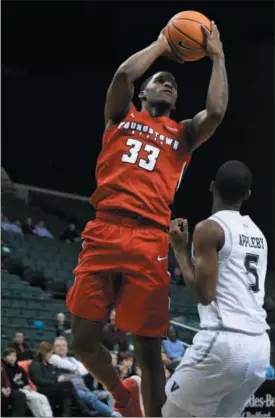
(185, 36)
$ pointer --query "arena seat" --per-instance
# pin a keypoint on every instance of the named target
(22, 305)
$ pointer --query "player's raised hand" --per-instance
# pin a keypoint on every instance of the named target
(167, 49)
(178, 233)
(212, 40)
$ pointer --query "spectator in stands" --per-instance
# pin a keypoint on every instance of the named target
(23, 351)
(41, 231)
(127, 366)
(62, 327)
(48, 382)
(74, 371)
(6, 223)
(113, 338)
(9, 226)
(172, 346)
(27, 226)
(16, 227)
(165, 359)
(37, 402)
(16, 399)
(70, 234)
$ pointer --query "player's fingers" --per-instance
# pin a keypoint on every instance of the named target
(206, 31)
(215, 32)
(185, 223)
(175, 226)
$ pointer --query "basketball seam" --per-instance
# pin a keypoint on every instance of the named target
(172, 46)
(187, 36)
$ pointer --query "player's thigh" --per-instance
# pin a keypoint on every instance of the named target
(234, 403)
(92, 296)
(143, 304)
(171, 410)
(198, 382)
(258, 361)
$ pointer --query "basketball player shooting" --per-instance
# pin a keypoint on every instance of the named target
(230, 356)
(124, 258)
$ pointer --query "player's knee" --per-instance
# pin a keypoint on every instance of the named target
(86, 337)
(83, 346)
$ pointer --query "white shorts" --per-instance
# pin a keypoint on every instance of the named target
(217, 375)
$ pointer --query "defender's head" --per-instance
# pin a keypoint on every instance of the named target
(232, 184)
(159, 89)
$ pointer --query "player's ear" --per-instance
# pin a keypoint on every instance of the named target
(247, 195)
(211, 187)
(142, 95)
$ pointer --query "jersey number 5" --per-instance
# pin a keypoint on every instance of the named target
(133, 154)
(250, 264)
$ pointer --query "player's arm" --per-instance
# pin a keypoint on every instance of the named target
(204, 124)
(121, 90)
(201, 277)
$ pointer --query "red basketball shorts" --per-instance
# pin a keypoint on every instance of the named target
(114, 245)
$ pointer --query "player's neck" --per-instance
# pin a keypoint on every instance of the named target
(219, 206)
(158, 110)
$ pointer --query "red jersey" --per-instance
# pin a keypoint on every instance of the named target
(140, 165)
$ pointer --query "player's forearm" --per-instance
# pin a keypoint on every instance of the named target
(217, 96)
(135, 66)
(188, 272)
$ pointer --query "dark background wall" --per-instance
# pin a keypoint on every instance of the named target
(58, 59)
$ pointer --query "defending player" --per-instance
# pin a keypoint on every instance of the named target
(229, 357)
(142, 159)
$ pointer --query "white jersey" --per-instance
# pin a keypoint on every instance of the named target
(241, 279)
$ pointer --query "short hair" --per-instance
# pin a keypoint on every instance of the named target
(148, 79)
(9, 351)
(126, 355)
(145, 82)
(60, 338)
(233, 181)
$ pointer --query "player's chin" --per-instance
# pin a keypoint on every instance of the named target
(167, 99)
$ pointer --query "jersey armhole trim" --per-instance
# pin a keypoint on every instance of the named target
(223, 225)
(132, 108)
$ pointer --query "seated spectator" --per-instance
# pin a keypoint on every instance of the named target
(62, 327)
(9, 226)
(27, 227)
(37, 403)
(16, 227)
(127, 367)
(113, 338)
(23, 351)
(73, 371)
(165, 359)
(16, 399)
(41, 231)
(70, 234)
(173, 348)
(47, 381)
(6, 224)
